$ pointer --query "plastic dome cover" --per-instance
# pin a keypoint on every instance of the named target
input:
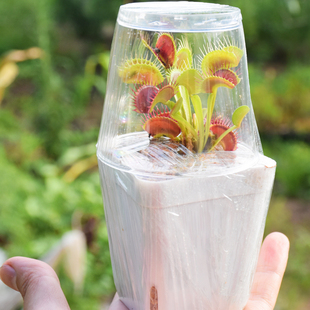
(178, 96)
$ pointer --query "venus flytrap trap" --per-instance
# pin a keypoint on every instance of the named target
(171, 80)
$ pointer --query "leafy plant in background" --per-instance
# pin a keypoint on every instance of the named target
(9, 69)
(34, 215)
(38, 197)
(285, 109)
(293, 167)
(172, 80)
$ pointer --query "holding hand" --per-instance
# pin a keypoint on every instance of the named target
(267, 279)
(36, 281)
(40, 287)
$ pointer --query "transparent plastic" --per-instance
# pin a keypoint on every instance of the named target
(185, 184)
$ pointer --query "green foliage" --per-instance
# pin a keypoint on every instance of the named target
(276, 31)
(88, 17)
(45, 129)
(291, 217)
(37, 206)
(293, 167)
(17, 32)
(280, 98)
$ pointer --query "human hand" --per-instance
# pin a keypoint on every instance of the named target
(36, 281)
(40, 288)
(267, 279)
(270, 269)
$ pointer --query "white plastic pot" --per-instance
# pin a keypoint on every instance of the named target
(194, 239)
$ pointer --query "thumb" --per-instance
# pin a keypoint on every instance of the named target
(36, 281)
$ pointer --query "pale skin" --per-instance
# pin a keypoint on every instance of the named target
(40, 287)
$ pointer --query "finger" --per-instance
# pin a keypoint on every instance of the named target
(36, 281)
(269, 273)
(117, 304)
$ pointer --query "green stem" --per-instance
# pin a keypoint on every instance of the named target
(175, 107)
(186, 104)
(222, 136)
(199, 116)
(177, 97)
(211, 103)
(186, 125)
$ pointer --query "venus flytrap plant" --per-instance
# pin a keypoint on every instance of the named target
(221, 130)
(171, 79)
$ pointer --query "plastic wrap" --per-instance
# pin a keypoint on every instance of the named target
(185, 185)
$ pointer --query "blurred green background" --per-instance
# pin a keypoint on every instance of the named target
(50, 116)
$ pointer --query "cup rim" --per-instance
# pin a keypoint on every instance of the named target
(179, 16)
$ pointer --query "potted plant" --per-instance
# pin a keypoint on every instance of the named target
(185, 185)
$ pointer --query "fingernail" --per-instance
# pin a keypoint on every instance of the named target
(8, 276)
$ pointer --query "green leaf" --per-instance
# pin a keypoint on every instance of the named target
(199, 115)
(170, 104)
(185, 124)
(195, 123)
(191, 79)
(204, 112)
(165, 94)
(177, 107)
(186, 103)
(239, 115)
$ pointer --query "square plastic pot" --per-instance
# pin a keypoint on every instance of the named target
(186, 242)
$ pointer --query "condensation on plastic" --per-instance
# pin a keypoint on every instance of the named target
(184, 229)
